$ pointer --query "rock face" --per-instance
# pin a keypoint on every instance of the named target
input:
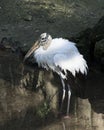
(15, 100)
(99, 50)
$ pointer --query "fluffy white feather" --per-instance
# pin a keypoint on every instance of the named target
(63, 54)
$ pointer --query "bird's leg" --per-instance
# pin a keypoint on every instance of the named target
(69, 95)
(63, 94)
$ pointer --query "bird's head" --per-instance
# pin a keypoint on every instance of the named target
(44, 41)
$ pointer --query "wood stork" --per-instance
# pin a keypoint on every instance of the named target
(59, 55)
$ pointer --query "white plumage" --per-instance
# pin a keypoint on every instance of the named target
(63, 54)
(59, 55)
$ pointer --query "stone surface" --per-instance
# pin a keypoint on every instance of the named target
(16, 96)
(99, 49)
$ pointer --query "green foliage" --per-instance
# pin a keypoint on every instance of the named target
(43, 110)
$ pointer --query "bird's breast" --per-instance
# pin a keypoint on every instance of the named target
(44, 58)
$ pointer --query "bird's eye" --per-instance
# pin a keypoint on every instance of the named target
(43, 38)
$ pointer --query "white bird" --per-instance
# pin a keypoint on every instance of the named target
(60, 55)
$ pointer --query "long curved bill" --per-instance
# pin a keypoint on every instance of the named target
(33, 48)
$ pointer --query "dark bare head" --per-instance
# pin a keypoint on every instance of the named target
(44, 41)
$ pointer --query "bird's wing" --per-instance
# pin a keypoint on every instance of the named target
(73, 63)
